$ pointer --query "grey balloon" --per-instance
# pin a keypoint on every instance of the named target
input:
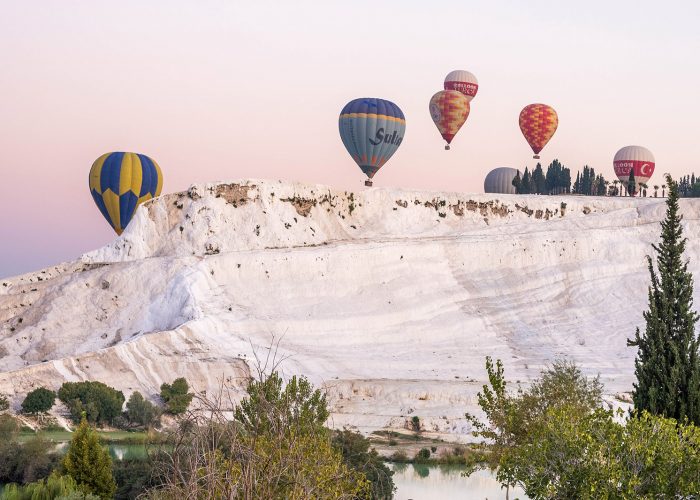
(500, 180)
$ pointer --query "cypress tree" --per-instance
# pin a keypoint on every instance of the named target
(666, 367)
(517, 183)
(88, 464)
(631, 184)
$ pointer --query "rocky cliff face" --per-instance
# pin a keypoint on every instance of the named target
(390, 299)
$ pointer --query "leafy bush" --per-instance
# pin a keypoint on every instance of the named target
(55, 486)
(415, 423)
(556, 440)
(271, 405)
(357, 455)
(176, 396)
(276, 447)
(133, 477)
(97, 401)
(575, 455)
(38, 401)
(141, 412)
(4, 403)
(399, 456)
(422, 456)
(26, 462)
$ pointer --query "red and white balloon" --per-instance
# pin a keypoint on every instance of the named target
(634, 158)
(462, 81)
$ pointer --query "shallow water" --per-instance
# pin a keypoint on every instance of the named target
(445, 482)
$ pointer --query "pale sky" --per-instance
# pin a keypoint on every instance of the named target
(223, 90)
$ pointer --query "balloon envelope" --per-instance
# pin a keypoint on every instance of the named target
(449, 110)
(371, 130)
(120, 182)
(462, 81)
(538, 122)
(636, 158)
(500, 180)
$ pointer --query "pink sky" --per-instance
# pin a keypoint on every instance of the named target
(229, 90)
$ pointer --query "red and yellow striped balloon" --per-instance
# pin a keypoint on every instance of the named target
(538, 122)
(449, 110)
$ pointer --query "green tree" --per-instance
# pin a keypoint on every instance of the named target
(88, 463)
(98, 402)
(141, 412)
(512, 416)
(357, 455)
(4, 403)
(667, 366)
(538, 180)
(631, 184)
(276, 447)
(176, 396)
(40, 400)
(517, 183)
(271, 406)
(570, 454)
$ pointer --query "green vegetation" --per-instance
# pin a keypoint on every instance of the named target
(276, 447)
(667, 367)
(89, 464)
(4, 403)
(556, 440)
(100, 403)
(23, 463)
(39, 400)
(556, 181)
(142, 413)
(357, 455)
(176, 396)
(631, 184)
(588, 183)
(55, 486)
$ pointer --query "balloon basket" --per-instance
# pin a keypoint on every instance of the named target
(368, 183)
(536, 157)
(447, 147)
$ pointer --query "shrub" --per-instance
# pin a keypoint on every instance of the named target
(4, 403)
(133, 477)
(422, 456)
(55, 486)
(26, 462)
(415, 423)
(100, 403)
(38, 401)
(357, 455)
(176, 396)
(276, 447)
(399, 456)
(141, 412)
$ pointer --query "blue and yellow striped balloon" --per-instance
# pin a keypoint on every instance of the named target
(120, 182)
(371, 130)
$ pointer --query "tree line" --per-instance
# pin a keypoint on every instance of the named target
(558, 180)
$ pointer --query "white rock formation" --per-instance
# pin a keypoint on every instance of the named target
(391, 299)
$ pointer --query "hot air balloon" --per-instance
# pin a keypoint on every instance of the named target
(462, 81)
(120, 182)
(372, 130)
(500, 180)
(538, 122)
(449, 110)
(636, 158)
